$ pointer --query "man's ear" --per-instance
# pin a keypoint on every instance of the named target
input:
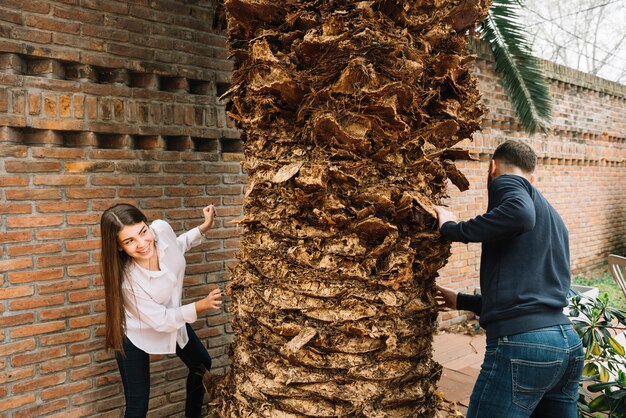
(492, 168)
(532, 179)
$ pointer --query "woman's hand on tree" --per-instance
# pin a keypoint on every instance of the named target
(212, 301)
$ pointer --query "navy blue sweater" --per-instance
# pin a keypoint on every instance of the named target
(524, 266)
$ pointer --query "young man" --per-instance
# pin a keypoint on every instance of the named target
(534, 358)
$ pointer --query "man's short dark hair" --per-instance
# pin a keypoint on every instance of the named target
(516, 153)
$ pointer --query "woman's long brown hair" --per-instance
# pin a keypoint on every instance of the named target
(114, 263)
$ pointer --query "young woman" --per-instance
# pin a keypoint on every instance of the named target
(143, 268)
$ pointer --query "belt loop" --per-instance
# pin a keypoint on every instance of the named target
(561, 327)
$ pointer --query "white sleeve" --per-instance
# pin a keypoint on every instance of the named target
(189, 239)
(185, 241)
(139, 304)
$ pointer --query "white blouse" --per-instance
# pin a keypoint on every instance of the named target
(155, 320)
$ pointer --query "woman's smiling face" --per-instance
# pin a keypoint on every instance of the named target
(137, 241)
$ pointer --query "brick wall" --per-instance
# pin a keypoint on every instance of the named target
(107, 101)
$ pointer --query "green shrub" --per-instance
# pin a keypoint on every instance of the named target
(605, 361)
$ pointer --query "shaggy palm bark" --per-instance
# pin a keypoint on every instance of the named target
(348, 110)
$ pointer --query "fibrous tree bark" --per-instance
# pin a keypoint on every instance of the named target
(348, 112)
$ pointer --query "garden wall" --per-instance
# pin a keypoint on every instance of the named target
(111, 101)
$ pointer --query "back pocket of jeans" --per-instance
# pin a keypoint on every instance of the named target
(573, 382)
(531, 380)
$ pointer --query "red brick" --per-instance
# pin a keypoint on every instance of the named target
(17, 347)
(12, 17)
(65, 363)
(75, 14)
(104, 180)
(32, 276)
(93, 370)
(16, 292)
(62, 207)
(63, 233)
(53, 25)
(83, 411)
(16, 374)
(7, 208)
(113, 154)
(92, 107)
(64, 312)
(48, 68)
(6, 181)
(60, 260)
(17, 319)
(67, 389)
(81, 219)
(66, 337)
(82, 245)
(36, 302)
(63, 286)
(86, 295)
(34, 221)
(17, 401)
(91, 193)
(41, 410)
(140, 192)
(37, 356)
(32, 35)
(34, 104)
(50, 105)
(32, 195)
(65, 106)
(27, 5)
(4, 100)
(79, 106)
(50, 84)
(15, 264)
(19, 250)
(39, 383)
(83, 270)
(182, 168)
(57, 125)
(31, 166)
(105, 33)
(60, 180)
(127, 50)
(86, 321)
(60, 153)
(88, 167)
(19, 102)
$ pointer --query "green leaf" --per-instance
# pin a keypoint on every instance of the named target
(604, 374)
(590, 369)
(521, 75)
(597, 387)
(601, 403)
(621, 316)
(619, 349)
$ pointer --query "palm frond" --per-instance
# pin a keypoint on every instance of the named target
(522, 78)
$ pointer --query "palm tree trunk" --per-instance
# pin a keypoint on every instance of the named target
(347, 110)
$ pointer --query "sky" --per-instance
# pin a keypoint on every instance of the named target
(588, 35)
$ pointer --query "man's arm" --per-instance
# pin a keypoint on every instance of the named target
(513, 214)
(450, 299)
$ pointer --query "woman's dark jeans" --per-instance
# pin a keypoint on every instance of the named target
(135, 370)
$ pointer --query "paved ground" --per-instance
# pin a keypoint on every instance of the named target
(461, 356)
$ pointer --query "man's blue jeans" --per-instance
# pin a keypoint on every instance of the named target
(531, 374)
